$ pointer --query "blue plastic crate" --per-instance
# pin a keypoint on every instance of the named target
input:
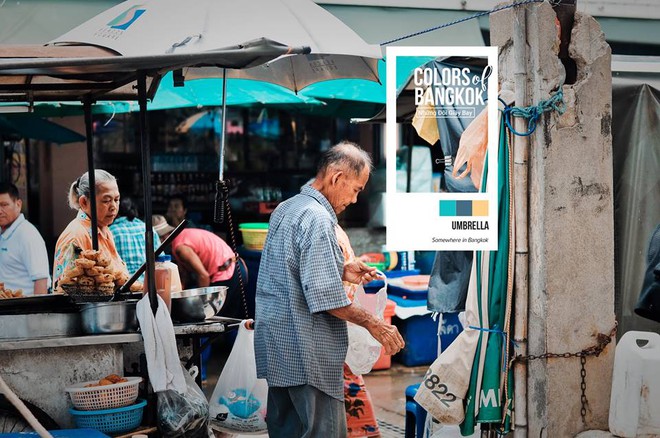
(411, 294)
(420, 334)
(113, 420)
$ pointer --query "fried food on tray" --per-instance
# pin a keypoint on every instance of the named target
(120, 278)
(86, 281)
(84, 263)
(8, 293)
(67, 280)
(94, 271)
(136, 287)
(104, 278)
(75, 271)
(90, 254)
(91, 273)
(103, 261)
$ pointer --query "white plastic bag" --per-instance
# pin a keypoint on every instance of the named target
(363, 350)
(238, 403)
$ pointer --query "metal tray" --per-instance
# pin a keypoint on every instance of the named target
(53, 303)
(39, 325)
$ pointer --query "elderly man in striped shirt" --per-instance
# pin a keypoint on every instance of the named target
(301, 307)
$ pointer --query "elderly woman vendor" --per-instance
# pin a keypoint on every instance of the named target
(75, 242)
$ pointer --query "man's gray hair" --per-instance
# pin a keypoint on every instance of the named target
(80, 187)
(345, 155)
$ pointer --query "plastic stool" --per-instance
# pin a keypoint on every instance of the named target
(415, 414)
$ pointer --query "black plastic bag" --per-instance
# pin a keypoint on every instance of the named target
(183, 415)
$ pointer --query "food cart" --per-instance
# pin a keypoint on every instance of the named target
(43, 351)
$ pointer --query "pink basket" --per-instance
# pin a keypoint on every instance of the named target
(112, 396)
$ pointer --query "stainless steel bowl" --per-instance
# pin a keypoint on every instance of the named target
(195, 305)
(109, 317)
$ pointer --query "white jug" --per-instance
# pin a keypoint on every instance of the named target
(635, 400)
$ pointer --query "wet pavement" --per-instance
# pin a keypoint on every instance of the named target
(387, 389)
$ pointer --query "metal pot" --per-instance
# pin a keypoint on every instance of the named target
(109, 317)
(195, 305)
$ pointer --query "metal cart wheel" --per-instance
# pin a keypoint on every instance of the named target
(12, 421)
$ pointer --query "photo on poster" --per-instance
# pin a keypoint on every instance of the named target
(442, 148)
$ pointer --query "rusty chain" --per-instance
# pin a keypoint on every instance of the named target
(232, 236)
(602, 341)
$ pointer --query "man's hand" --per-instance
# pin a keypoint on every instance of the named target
(358, 272)
(388, 336)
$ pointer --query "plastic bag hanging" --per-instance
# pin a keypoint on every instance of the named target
(363, 349)
(238, 403)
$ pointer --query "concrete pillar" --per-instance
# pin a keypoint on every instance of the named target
(571, 230)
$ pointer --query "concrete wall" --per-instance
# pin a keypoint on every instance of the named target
(571, 251)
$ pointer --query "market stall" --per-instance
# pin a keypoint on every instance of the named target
(42, 75)
(37, 332)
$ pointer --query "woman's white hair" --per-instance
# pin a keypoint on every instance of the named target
(80, 187)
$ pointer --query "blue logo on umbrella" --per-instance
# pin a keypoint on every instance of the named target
(127, 18)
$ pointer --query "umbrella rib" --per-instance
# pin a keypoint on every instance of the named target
(300, 23)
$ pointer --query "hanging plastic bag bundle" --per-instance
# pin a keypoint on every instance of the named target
(238, 403)
(183, 415)
(363, 350)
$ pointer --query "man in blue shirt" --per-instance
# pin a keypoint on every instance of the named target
(23, 256)
(301, 306)
(128, 233)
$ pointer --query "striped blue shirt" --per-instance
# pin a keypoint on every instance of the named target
(296, 341)
(129, 240)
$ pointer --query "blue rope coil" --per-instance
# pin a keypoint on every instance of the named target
(534, 113)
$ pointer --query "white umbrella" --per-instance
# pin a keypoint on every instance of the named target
(139, 27)
(152, 27)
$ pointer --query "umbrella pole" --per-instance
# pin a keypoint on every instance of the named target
(146, 187)
(87, 106)
(223, 135)
(220, 187)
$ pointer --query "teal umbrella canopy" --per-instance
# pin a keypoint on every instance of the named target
(240, 92)
(30, 126)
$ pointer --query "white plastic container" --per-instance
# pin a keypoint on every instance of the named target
(635, 400)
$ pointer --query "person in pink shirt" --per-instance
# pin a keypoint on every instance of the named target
(204, 259)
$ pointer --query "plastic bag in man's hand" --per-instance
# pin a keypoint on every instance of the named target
(363, 350)
(238, 403)
(183, 415)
